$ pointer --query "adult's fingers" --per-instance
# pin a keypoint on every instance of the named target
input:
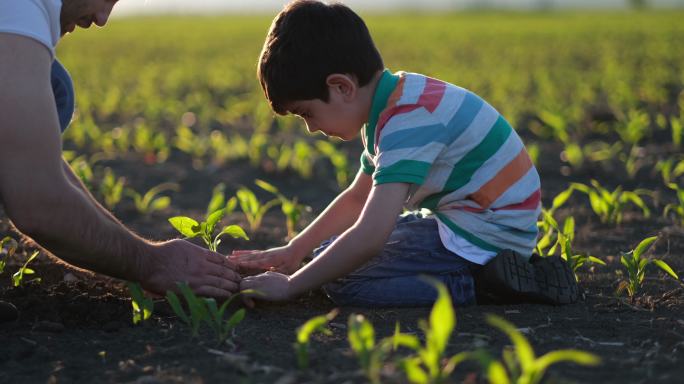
(239, 252)
(223, 272)
(220, 260)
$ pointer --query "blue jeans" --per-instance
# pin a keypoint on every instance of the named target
(63, 90)
(393, 278)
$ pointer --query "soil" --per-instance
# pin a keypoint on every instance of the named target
(76, 327)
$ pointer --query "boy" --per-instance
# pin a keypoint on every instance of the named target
(427, 144)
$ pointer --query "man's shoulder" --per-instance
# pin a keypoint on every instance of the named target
(35, 19)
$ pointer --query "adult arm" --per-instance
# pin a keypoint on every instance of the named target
(364, 240)
(47, 206)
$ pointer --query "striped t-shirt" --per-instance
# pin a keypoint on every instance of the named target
(463, 160)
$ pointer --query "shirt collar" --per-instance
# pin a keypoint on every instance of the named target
(386, 85)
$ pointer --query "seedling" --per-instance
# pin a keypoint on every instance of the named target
(190, 228)
(152, 145)
(291, 209)
(564, 240)
(636, 267)
(205, 310)
(253, 209)
(142, 306)
(669, 170)
(151, 201)
(520, 365)
(426, 366)
(111, 188)
(610, 205)
(83, 170)
(18, 277)
(6, 253)
(317, 324)
(197, 308)
(676, 208)
(361, 335)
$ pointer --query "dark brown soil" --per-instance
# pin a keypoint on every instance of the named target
(76, 327)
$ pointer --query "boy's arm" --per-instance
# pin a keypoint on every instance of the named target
(341, 214)
(364, 240)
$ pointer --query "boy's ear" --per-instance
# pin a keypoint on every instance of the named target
(342, 84)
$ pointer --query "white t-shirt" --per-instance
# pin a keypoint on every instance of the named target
(37, 19)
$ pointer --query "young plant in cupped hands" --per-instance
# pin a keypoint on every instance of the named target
(190, 228)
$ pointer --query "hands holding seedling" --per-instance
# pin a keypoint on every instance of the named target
(207, 273)
(281, 259)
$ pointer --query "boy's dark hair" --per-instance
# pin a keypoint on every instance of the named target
(308, 41)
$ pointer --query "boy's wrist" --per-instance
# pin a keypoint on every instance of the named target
(298, 249)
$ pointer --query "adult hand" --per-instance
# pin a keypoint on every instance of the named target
(270, 286)
(282, 259)
(207, 273)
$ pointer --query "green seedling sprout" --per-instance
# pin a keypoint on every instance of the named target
(610, 205)
(6, 253)
(18, 277)
(290, 207)
(221, 327)
(361, 336)
(676, 208)
(190, 228)
(636, 264)
(564, 240)
(142, 306)
(152, 145)
(197, 308)
(111, 188)
(304, 333)
(426, 366)
(669, 170)
(151, 201)
(253, 209)
(520, 364)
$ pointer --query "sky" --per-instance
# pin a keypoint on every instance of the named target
(133, 7)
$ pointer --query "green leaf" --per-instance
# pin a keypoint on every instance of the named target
(217, 199)
(414, 373)
(596, 260)
(160, 203)
(175, 304)
(522, 346)
(665, 267)
(213, 218)
(235, 231)
(643, 246)
(185, 225)
(575, 356)
(442, 318)
(266, 186)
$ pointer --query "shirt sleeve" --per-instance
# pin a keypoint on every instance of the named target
(407, 147)
(367, 166)
(30, 18)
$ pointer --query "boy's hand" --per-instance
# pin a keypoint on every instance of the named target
(281, 259)
(270, 286)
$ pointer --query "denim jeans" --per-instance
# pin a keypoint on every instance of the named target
(63, 90)
(393, 278)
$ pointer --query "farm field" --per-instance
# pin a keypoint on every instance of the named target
(172, 105)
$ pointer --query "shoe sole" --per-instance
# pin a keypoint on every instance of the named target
(548, 280)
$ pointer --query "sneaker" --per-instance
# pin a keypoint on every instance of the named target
(510, 278)
(8, 312)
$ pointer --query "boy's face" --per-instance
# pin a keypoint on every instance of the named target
(342, 116)
(83, 13)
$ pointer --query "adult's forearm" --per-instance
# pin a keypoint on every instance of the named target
(69, 225)
(76, 182)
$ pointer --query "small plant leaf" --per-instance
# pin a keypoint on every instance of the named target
(185, 225)
(665, 267)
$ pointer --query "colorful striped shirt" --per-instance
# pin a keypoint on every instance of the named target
(463, 160)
